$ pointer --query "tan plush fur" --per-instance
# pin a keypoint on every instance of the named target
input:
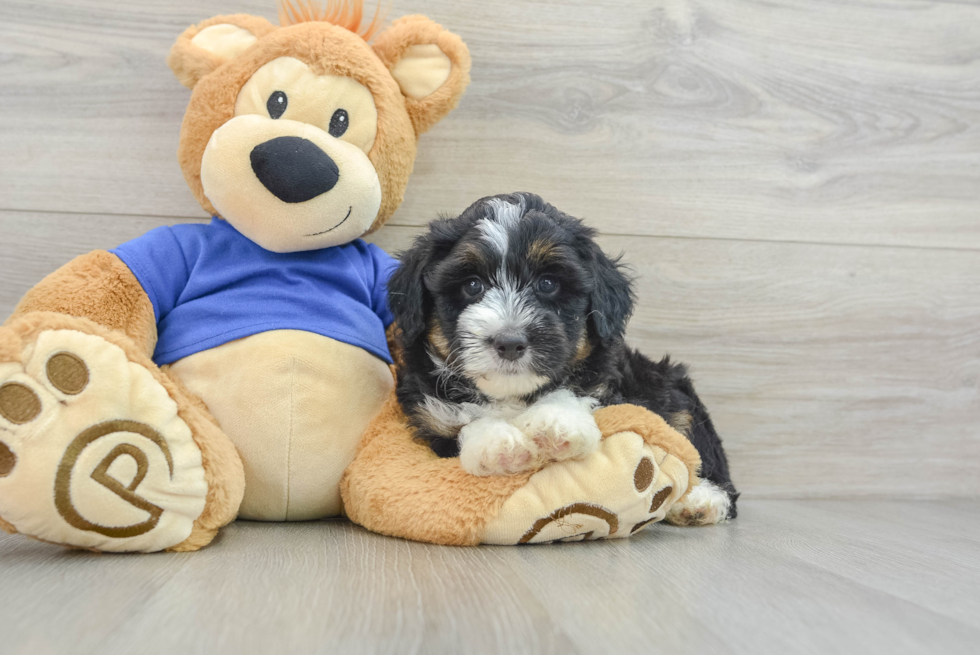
(399, 487)
(222, 466)
(99, 287)
(190, 63)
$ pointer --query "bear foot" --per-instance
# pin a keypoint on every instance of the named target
(93, 453)
(614, 492)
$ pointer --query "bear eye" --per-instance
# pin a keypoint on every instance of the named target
(547, 285)
(338, 123)
(276, 105)
(473, 287)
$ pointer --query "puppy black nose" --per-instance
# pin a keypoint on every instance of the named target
(294, 169)
(510, 346)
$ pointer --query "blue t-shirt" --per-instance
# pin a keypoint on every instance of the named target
(210, 285)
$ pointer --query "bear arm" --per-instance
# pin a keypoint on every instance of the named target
(100, 287)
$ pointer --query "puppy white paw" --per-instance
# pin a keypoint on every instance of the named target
(706, 504)
(560, 430)
(490, 446)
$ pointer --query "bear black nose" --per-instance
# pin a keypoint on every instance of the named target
(510, 346)
(294, 169)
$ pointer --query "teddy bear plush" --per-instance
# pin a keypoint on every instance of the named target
(152, 393)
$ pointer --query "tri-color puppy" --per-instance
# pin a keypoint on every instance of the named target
(513, 322)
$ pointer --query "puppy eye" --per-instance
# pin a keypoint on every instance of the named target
(276, 105)
(547, 285)
(473, 287)
(338, 123)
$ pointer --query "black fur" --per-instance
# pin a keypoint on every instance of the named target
(593, 307)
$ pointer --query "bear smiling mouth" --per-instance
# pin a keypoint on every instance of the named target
(315, 234)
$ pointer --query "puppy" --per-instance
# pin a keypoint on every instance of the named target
(512, 329)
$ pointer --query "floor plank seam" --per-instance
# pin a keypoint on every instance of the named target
(629, 235)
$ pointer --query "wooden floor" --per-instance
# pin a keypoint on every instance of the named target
(786, 577)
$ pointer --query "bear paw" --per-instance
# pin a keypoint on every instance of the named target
(93, 453)
(616, 491)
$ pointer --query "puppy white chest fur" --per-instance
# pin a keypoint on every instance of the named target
(508, 437)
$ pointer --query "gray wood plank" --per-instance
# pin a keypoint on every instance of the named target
(916, 553)
(830, 371)
(786, 577)
(59, 601)
(724, 593)
(840, 121)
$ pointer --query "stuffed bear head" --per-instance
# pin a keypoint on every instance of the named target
(303, 136)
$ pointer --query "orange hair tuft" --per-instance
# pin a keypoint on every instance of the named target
(342, 13)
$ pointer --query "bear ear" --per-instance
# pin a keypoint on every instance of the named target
(207, 45)
(430, 64)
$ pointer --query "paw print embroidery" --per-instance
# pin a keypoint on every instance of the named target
(575, 518)
(92, 450)
(643, 478)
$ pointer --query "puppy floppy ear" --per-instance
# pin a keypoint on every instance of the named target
(204, 47)
(612, 296)
(406, 290)
(430, 64)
